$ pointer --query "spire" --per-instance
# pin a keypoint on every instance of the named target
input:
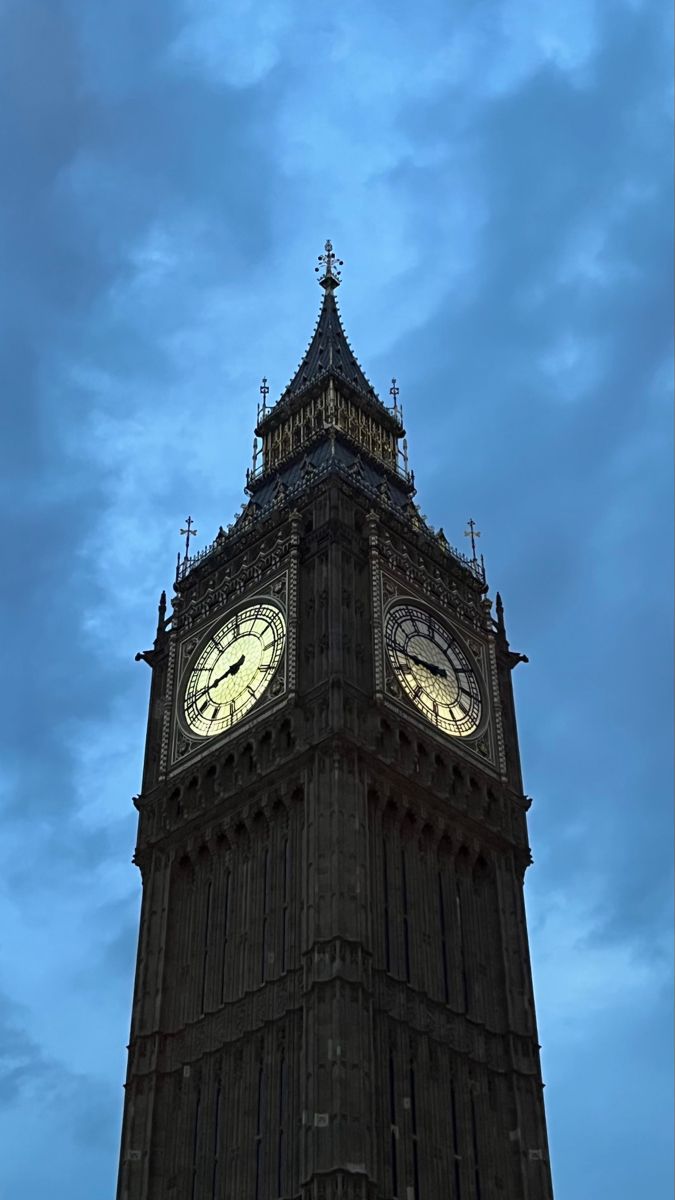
(329, 396)
(329, 349)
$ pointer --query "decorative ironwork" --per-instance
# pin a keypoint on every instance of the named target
(473, 533)
(328, 411)
(331, 264)
(255, 514)
(188, 533)
(264, 392)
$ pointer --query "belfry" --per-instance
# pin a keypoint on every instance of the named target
(333, 995)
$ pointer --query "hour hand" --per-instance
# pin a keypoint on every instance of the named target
(234, 668)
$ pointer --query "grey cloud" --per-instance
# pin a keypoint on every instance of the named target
(110, 136)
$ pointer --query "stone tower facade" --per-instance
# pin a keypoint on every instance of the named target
(333, 994)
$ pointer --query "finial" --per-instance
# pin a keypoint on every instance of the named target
(161, 620)
(499, 609)
(264, 392)
(394, 391)
(330, 279)
(187, 533)
(473, 533)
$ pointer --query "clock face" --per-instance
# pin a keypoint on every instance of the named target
(233, 669)
(433, 669)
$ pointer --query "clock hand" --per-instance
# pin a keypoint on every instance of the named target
(421, 662)
(214, 682)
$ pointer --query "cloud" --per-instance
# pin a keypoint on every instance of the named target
(495, 177)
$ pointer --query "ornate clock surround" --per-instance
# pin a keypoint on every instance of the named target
(485, 747)
(279, 592)
(429, 625)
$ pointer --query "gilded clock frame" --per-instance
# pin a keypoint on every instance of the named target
(415, 605)
(185, 743)
(485, 746)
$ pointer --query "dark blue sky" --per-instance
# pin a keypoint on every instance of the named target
(496, 176)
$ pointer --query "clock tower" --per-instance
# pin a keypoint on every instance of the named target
(333, 995)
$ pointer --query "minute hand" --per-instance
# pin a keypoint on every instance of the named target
(421, 662)
(214, 682)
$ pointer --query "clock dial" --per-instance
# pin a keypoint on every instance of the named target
(433, 669)
(233, 669)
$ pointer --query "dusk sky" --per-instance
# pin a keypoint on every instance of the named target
(496, 176)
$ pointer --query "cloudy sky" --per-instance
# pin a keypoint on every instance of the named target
(496, 176)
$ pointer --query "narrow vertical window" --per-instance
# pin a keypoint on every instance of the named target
(462, 947)
(265, 900)
(444, 943)
(281, 1118)
(413, 1130)
(385, 888)
(195, 1146)
(258, 1130)
(456, 1156)
(285, 914)
(244, 924)
(205, 956)
(406, 940)
(394, 1130)
(474, 1139)
(226, 918)
(216, 1146)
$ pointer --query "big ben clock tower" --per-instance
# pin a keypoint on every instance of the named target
(333, 995)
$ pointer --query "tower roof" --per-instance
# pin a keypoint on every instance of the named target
(329, 353)
(329, 350)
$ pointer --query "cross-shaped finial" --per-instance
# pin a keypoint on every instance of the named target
(473, 533)
(331, 267)
(394, 391)
(188, 533)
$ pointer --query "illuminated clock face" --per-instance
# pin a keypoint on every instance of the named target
(233, 669)
(433, 669)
